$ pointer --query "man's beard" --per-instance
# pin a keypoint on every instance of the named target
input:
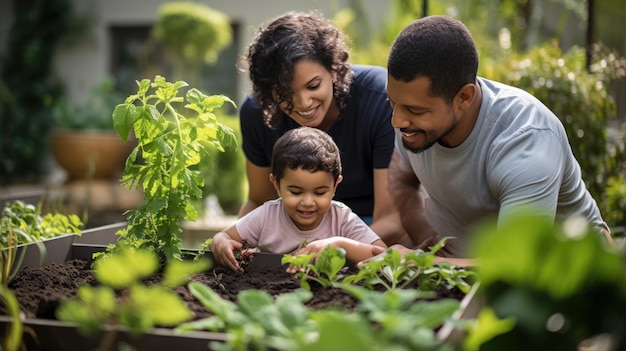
(417, 150)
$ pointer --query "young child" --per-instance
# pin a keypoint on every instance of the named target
(306, 169)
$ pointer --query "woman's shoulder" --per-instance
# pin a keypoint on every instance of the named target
(370, 75)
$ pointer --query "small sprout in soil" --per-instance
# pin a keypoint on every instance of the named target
(244, 256)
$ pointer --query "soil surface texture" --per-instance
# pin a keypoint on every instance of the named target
(41, 290)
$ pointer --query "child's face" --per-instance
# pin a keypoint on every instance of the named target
(306, 195)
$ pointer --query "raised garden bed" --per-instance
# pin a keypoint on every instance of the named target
(41, 290)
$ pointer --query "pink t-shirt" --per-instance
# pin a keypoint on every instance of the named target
(269, 228)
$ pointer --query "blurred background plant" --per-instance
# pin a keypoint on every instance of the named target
(95, 113)
(28, 87)
(193, 34)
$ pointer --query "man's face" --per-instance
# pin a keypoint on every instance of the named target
(422, 119)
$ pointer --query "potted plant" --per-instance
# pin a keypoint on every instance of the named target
(84, 142)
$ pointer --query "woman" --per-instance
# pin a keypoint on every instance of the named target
(301, 76)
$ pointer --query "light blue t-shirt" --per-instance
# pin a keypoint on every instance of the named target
(517, 154)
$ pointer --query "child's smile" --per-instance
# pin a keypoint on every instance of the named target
(306, 196)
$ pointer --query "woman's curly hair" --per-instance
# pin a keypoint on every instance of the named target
(278, 46)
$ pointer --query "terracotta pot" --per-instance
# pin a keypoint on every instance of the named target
(77, 150)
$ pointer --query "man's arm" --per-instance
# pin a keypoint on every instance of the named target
(404, 187)
(386, 219)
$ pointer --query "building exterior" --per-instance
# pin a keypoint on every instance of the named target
(116, 24)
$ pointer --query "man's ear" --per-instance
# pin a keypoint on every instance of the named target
(276, 184)
(466, 95)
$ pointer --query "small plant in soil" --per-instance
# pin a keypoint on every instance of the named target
(23, 223)
(175, 137)
(324, 269)
(396, 319)
(392, 271)
(244, 256)
(122, 299)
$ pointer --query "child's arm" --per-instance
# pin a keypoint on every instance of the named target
(224, 245)
(355, 251)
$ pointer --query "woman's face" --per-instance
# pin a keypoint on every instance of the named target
(313, 101)
(306, 195)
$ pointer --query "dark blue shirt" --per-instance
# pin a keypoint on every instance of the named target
(363, 133)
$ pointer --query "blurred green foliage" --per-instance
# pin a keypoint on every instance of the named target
(560, 284)
(28, 88)
(95, 113)
(226, 177)
(193, 34)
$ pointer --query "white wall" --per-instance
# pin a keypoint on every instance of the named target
(81, 65)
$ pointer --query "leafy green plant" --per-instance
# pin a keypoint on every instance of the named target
(324, 269)
(392, 271)
(22, 223)
(406, 316)
(391, 320)
(95, 306)
(543, 276)
(167, 161)
(256, 321)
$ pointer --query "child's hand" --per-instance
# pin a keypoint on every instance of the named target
(318, 246)
(315, 247)
(223, 248)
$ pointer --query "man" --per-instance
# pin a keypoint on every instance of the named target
(468, 148)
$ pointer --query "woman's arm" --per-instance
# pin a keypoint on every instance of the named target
(260, 189)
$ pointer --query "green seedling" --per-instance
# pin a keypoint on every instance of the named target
(393, 271)
(324, 269)
(140, 307)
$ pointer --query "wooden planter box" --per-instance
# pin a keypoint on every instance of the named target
(52, 335)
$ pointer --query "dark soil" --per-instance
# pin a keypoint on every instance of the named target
(41, 290)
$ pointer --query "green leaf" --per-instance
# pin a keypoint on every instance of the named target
(178, 272)
(158, 305)
(341, 331)
(124, 116)
(487, 326)
(122, 268)
(212, 301)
